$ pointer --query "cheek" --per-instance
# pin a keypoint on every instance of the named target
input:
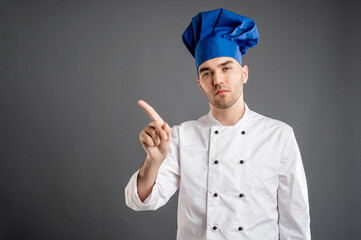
(237, 80)
(205, 86)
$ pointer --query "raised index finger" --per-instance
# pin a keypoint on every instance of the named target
(151, 112)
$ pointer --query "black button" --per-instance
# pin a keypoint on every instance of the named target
(240, 228)
(243, 132)
(216, 132)
(215, 194)
(241, 162)
(216, 162)
(214, 227)
(241, 195)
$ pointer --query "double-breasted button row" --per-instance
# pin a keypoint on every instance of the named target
(217, 132)
(215, 228)
(240, 162)
(241, 195)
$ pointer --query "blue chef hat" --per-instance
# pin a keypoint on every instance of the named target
(219, 33)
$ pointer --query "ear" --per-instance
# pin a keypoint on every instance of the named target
(245, 73)
(199, 84)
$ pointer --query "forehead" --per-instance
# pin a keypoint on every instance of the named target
(215, 62)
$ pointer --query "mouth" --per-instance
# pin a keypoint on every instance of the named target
(221, 92)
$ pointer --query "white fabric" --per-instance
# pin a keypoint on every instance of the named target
(272, 180)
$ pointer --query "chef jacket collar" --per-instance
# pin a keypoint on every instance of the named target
(213, 120)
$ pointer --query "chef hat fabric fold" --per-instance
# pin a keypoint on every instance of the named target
(219, 33)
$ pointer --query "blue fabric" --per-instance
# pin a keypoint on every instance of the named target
(219, 33)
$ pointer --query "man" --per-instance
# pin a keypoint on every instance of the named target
(239, 174)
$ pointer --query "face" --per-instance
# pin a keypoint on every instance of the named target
(221, 81)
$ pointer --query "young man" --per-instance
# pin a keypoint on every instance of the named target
(239, 174)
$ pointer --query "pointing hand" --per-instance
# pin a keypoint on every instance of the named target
(155, 137)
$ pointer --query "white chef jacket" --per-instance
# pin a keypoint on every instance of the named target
(245, 181)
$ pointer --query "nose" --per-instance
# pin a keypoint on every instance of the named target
(217, 78)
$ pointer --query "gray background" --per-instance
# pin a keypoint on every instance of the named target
(72, 72)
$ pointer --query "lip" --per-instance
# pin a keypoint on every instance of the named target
(221, 92)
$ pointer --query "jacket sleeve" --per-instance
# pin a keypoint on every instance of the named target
(293, 207)
(167, 181)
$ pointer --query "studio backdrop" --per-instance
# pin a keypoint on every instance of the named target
(71, 73)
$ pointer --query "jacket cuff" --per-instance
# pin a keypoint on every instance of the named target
(131, 191)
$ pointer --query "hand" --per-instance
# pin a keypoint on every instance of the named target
(155, 137)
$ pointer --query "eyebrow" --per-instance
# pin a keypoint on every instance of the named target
(225, 63)
(219, 65)
(203, 69)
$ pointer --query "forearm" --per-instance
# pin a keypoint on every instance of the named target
(146, 178)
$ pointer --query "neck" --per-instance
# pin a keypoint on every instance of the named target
(229, 116)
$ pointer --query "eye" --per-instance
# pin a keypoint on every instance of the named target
(206, 74)
(226, 68)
